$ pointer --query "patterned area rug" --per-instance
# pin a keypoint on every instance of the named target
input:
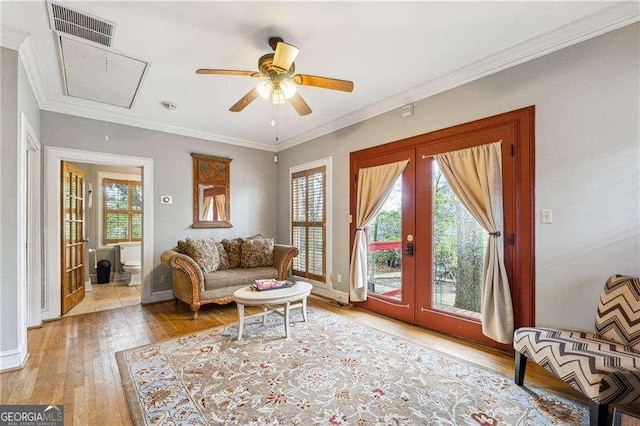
(330, 371)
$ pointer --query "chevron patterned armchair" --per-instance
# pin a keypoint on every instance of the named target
(605, 365)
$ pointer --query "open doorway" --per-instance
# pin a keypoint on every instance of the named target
(52, 213)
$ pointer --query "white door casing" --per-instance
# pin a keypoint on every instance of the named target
(53, 156)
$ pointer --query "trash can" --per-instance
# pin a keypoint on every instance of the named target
(103, 270)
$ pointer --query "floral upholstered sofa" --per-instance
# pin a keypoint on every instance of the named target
(205, 271)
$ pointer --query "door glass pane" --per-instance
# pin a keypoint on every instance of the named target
(459, 244)
(384, 237)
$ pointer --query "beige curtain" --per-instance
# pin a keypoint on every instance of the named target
(221, 207)
(207, 214)
(374, 186)
(475, 175)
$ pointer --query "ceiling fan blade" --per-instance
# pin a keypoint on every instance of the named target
(226, 72)
(300, 105)
(324, 82)
(284, 56)
(245, 100)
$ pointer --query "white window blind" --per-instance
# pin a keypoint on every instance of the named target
(122, 211)
(308, 222)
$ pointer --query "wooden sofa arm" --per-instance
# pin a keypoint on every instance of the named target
(282, 258)
(173, 259)
(187, 278)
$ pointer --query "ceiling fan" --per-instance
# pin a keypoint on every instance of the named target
(280, 84)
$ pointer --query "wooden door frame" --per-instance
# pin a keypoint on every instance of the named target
(522, 123)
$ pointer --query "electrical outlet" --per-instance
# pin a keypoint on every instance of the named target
(163, 279)
(338, 278)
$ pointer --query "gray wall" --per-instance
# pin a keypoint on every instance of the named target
(9, 183)
(16, 98)
(253, 175)
(587, 165)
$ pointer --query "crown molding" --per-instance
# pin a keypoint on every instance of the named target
(11, 37)
(72, 108)
(29, 60)
(612, 18)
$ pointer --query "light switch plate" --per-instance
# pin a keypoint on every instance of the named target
(546, 216)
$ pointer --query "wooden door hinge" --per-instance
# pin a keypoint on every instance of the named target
(513, 150)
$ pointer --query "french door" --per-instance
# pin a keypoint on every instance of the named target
(72, 240)
(453, 244)
(426, 252)
(390, 239)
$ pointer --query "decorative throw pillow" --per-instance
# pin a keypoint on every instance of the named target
(233, 249)
(203, 252)
(256, 252)
(224, 259)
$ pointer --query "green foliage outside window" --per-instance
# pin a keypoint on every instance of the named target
(122, 211)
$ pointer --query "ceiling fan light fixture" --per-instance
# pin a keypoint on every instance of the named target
(277, 90)
(279, 80)
(277, 97)
(265, 89)
(288, 88)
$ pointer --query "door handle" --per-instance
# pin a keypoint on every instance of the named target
(409, 250)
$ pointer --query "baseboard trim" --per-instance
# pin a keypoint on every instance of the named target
(338, 296)
(13, 359)
(159, 296)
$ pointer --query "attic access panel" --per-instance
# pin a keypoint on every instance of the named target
(101, 75)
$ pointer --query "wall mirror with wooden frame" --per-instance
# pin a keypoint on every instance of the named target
(211, 192)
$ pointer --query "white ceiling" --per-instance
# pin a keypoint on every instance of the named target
(394, 52)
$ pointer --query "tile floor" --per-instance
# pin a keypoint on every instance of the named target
(113, 295)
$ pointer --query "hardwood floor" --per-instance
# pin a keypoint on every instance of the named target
(72, 362)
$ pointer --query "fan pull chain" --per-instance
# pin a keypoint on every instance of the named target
(274, 122)
(106, 89)
(277, 124)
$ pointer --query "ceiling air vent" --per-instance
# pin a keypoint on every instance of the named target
(81, 25)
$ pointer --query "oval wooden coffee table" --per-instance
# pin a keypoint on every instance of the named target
(268, 299)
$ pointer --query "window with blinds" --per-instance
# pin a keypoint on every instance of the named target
(308, 222)
(122, 219)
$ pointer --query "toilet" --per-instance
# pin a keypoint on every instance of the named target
(130, 259)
